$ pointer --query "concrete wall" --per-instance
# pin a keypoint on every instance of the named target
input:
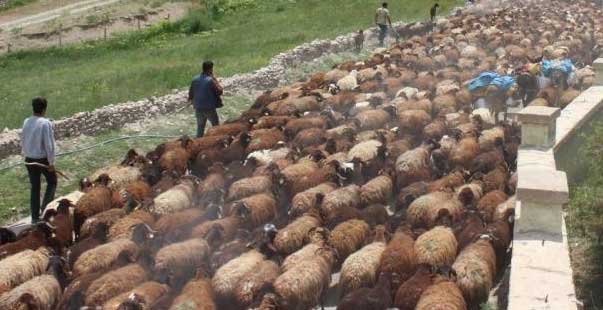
(541, 274)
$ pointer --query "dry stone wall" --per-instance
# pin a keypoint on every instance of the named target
(117, 115)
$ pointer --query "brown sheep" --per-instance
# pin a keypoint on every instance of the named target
(179, 259)
(410, 291)
(409, 193)
(348, 237)
(42, 292)
(62, 221)
(413, 166)
(361, 268)
(227, 278)
(487, 205)
(463, 153)
(98, 199)
(399, 256)
(256, 210)
(475, 269)
(21, 267)
(108, 218)
(231, 129)
(32, 238)
(114, 283)
(496, 179)
(291, 237)
(309, 137)
(443, 294)
(149, 292)
(413, 121)
(375, 298)
(448, 182)
(306, 200)
(348, 196)
(103, 256)
(377, 190)
(250, 286)
(197, 294)
(122, 228)
(433, 209)
(437, 247)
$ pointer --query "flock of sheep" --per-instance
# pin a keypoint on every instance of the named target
(379, 171)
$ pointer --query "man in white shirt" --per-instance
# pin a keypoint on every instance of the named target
(38, 146)
(382, 19)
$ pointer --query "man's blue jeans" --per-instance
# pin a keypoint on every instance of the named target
(202, 117)
(382, 33)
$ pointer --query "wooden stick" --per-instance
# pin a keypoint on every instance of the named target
(46, 167)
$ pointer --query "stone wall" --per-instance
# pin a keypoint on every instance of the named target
(117, 115)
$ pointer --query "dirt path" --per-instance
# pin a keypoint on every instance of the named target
(49, 15)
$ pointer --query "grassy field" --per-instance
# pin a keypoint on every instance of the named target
(585, 225)
(86, 76)
(11, 4)
(14, 186)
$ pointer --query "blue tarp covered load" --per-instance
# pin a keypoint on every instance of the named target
(564, 65)
(488, 78)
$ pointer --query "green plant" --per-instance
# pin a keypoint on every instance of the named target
(92, 19)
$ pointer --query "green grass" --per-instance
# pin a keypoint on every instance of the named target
(14, 187)
(585, 224)
(246, 35)
(11, 4)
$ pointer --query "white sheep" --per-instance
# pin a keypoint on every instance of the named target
(349, 82)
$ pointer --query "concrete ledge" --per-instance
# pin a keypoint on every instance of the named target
(577, 113)
(542, 185)
(541, 273)
(538, 115)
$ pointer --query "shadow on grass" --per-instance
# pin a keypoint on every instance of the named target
(587, 264)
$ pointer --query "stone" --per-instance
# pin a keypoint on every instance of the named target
(538, 125)
(598, 66)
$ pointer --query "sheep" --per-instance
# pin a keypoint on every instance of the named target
(256, 210)
(180, 258)
(149, 292)
(431, 209)
(196, 294)
(96, 200)
(488, 138)
(496, 179)
(450, 181)
(177, 198)
(413, 121)
(312, 197)
(97, 237)
(309, 137)
(435, 130)
(349, 236)
(231, 129)
(409, 193)
(61, 220)
(412, 166)
(42, 292)
(200, 144)
(463, 153)
(34, 237)
(471, 227)
(120, 176)
(501, 210)
(443, 294)
(136, 193)
(567, 97)
(103, 256)
(21, 267)
(7, 236)
(114, 283)
(249, 186)
(488, 204)
(364, 151)
(305, 285)
(410, 291)
(360, 269)
(291, 237)
(399, 256)
(122, 228)
(318, 239)
(436, 247)
(348, 82)
(73, 197)
(74, 295)
(265, 139)
(377, 298)
(377, 190)
(348, 196)
(227, 228)
(171, 225)
(250, 287)
(475, 269)
(107, 218)
(227, 278)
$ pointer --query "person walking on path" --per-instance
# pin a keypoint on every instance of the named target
(382, 19)
(38, 147)
(205, 94)
(434, 11)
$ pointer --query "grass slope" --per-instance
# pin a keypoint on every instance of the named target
(86, 76)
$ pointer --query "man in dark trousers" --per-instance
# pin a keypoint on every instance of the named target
(382, 19)
(38, 146)
(205, 94)
(434, 11)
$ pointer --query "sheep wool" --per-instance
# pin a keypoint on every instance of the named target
(349, 236)
(108, 217)
(249, 186)
(425, 209)
(122, 228)
(232, 273)
(348, 196)
(247, 290)
(150, 291)
(488, 137)
(197, 294)
(102, 256)
(114, 283)
(74, 197)
(348, 82)
(21, 267)
(377, 190)
(291, 238)
(190, 253)
(436, 247)
(443, 295)
(399, 256)
(303, 254)
(360, 269)
(44, 290)
(501, 209)
(120, 176)
(476, 268)
(365, 151)
(304, 201)
(177, 198)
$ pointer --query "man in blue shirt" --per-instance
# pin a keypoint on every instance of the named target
(38, 146)
(205, 94)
